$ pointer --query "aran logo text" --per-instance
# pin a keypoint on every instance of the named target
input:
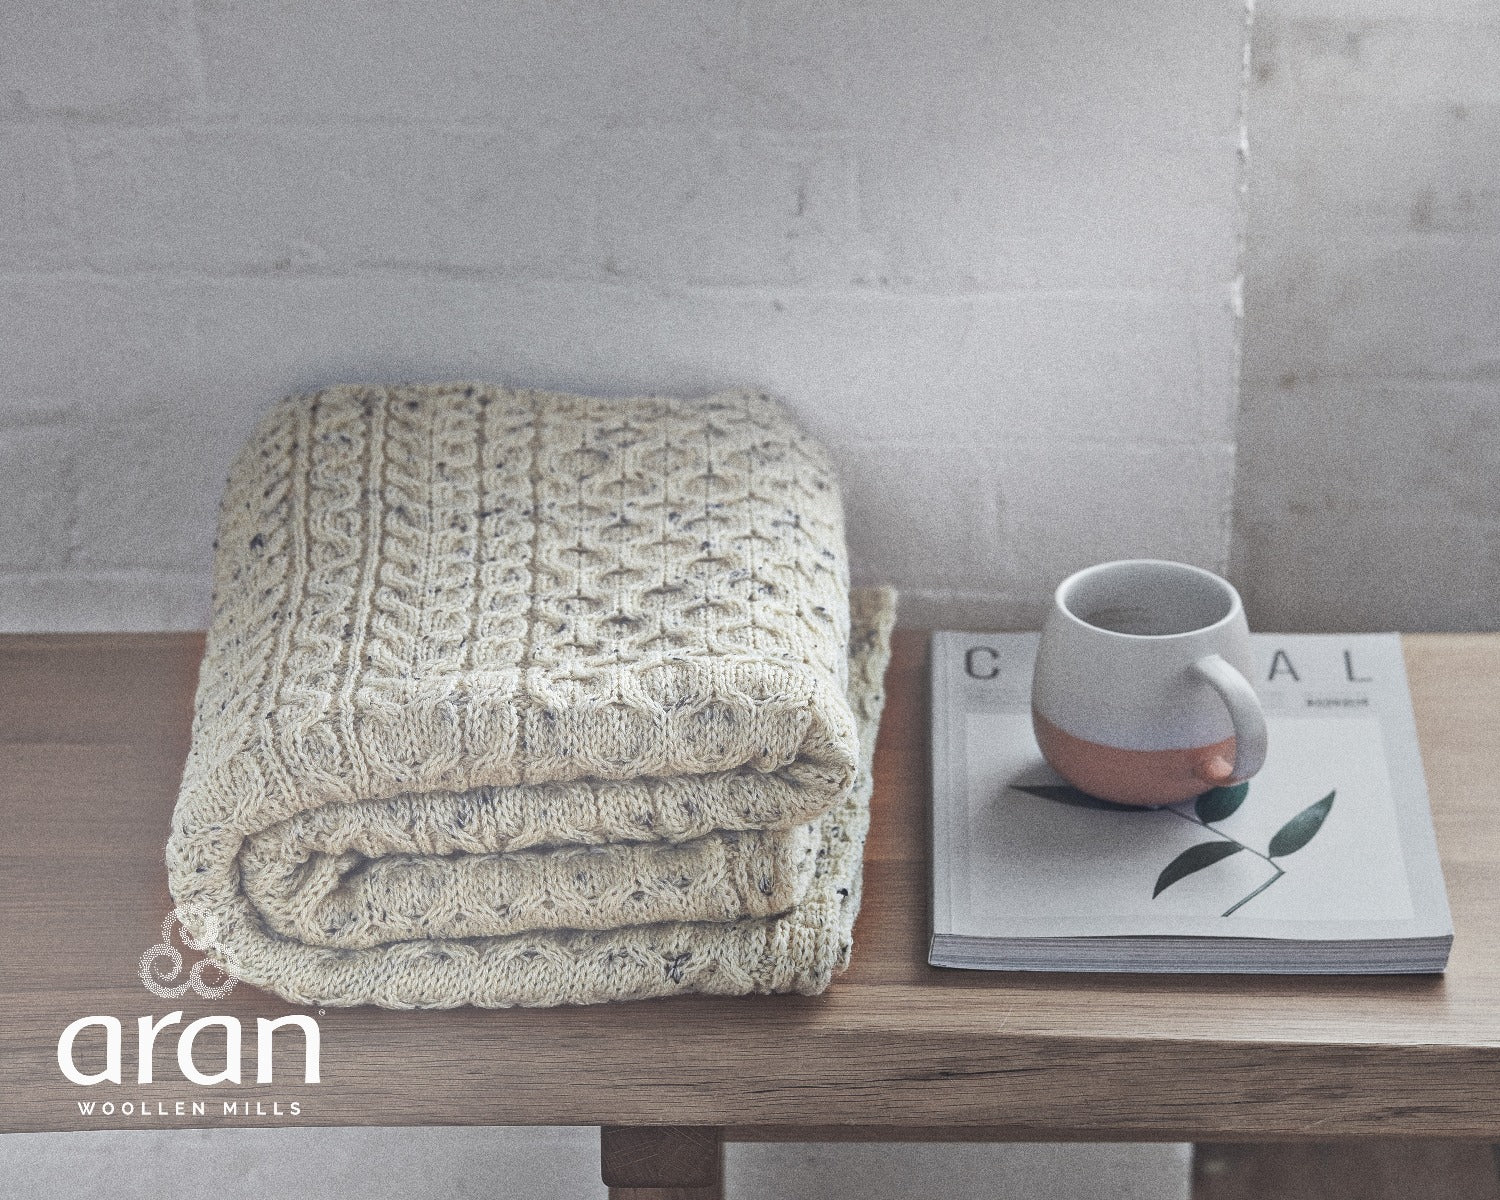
(83, 1037)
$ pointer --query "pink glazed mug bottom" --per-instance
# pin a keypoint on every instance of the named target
(1146, 778)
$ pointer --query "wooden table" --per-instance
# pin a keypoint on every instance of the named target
(93, 731)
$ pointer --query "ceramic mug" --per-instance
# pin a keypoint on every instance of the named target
(1140, 693)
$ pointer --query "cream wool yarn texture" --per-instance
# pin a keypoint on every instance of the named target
(511, 697)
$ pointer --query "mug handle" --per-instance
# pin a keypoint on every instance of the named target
(1247, 717)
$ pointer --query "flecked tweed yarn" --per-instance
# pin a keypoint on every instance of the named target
(516, 698)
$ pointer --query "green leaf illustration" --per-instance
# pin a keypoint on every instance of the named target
(1194, 858)
(1221, 802)
(1297, 832)
(1063, 794)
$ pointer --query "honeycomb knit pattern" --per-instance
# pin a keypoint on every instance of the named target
(516, 698)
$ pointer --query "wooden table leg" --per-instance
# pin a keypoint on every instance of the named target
(662, 1162)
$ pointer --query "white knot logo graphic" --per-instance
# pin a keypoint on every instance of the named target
(164, 983)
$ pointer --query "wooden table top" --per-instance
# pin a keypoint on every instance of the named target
(93, 732)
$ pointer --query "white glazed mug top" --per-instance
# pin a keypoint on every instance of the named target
(1146, 597)
(1148, 657)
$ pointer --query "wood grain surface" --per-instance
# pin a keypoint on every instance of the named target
(93, 731)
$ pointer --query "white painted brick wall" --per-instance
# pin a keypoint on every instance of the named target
(985, 247)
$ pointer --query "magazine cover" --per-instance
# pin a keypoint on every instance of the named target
(1331, 840)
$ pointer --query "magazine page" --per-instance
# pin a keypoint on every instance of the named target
(1331, 840)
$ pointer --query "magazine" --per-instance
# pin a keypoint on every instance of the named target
(1324, 862)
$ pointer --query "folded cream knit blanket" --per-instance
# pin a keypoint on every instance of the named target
(514, 698)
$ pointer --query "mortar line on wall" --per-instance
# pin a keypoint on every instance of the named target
(82, 570)
(73, 477)
(205, 118)
(1053, 440)
(1481, 378)
(758, 292)
(192, 29)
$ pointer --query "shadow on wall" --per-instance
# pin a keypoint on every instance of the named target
(1369, 429)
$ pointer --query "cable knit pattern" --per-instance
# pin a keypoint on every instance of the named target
(520, 698)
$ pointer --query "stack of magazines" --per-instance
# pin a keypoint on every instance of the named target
(1325, 862)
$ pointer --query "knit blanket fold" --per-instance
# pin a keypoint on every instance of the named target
(518, 698)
